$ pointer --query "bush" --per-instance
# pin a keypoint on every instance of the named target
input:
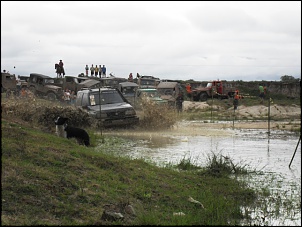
(43, 112)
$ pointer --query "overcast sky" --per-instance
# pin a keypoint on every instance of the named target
(198, 40)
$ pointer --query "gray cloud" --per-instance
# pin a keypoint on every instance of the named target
(172, 40)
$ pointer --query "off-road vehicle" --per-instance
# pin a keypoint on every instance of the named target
(128, 89)
(216, 89)
(75, 84)
(146, 95)
(44, 86)
(169, 91)
(8, 82)
(114, 108)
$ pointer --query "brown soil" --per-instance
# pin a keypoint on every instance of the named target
(293, 113)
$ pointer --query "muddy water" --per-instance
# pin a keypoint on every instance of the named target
(256, 149)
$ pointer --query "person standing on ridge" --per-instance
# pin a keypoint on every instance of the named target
(130, 77)
(86, 70)
(100, 71)
(96, 71)
(104, 71)
(61, 64)
(91, 70)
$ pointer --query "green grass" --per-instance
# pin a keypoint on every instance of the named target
(47, 180)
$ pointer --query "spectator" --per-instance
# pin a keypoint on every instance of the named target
(236, 99)
(130, 77)
(189, 90)
(100, 71)
(86, 70)
(61, 64)
(72, 97)
(67, 96)
(179, 101)
(261, 93)
(23, 93)
(104, 71)
(92, 70)
(96, 70)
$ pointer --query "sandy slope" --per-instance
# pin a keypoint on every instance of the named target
(253, 112)
(258, 111)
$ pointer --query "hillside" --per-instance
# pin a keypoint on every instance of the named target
(47, 180)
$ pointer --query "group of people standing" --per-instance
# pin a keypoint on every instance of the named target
(69, 97)
(96, 71)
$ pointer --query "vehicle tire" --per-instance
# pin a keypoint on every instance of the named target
(51, 96)
(203, 97)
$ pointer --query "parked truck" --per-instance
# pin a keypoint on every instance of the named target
(75, 84)
(169, 90)
(128, 89)
(44, 86)
(8, 82)
(216, 89)
(147, 81)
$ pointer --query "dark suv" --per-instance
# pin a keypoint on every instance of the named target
(115, 109)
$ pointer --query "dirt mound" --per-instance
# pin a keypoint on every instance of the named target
(258, 111)
(275, 111)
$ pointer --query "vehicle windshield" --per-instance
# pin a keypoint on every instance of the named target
(165, 91)
(209, 85)
(150, 94)
(49, 81)
(107, 97)
(128, 90)
(147, 82)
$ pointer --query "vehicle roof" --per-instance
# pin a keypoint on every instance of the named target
(97, 89)
(113, 78)
(125, 84)
(167, 84)
(84, 78)
(147, 89)
(41, 75)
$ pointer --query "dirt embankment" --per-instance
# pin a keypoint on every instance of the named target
(292, 112)
(258, 111)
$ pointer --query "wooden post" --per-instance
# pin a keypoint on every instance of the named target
(295, 151)
(268, 115)
(101, 124)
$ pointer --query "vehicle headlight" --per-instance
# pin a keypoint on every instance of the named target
(130, 112)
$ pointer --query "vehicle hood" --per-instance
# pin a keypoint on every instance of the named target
(158, 100)
(52, 86)
(110, 107)
(167, 97)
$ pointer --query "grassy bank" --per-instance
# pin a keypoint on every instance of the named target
(48, 180)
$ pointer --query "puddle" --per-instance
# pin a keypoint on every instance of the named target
(253, 148)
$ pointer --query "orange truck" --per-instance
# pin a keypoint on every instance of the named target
(217, 89)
